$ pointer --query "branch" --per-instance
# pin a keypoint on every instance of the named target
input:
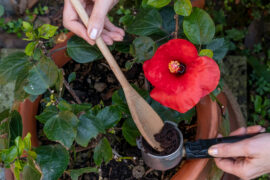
(72, 92)
(176, 17)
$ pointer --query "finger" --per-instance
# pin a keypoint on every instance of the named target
(227, 165)
(107, 39)
(238, 149)
(240, 131)
(255, 129)
(96, 21)
(111, 27)
(113, 35)
(80, 30)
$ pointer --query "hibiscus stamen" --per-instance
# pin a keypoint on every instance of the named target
(176, 67)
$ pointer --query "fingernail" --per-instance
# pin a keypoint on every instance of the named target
(93, 34)
(263, 130)
(213, 151)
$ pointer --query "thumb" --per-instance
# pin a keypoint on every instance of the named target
(224, 150)
(98, 15)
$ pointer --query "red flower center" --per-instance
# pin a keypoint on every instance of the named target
(176, 67)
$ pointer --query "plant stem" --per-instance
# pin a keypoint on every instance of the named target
(176, 17)
(72, 92)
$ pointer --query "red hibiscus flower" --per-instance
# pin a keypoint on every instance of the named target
(180, 77)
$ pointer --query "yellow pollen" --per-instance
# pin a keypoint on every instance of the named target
(174, 66)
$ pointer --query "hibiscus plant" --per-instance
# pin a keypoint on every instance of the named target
(173, 43)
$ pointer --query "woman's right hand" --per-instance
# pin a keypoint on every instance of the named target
(98, 25)
(246, 159)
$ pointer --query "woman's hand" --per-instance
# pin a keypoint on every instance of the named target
(246, 159)
(98, 24)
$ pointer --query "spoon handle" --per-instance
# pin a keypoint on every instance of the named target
(102, 46)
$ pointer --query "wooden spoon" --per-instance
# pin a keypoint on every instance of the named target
(146, 119)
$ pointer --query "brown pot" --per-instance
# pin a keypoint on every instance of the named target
(208, 113)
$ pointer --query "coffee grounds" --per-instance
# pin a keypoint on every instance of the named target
(168, 138)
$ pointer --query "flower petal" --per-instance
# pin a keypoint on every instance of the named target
(156, 69)
(181, 102)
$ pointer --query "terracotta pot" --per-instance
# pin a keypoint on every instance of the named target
(208, 113)
(198, 3)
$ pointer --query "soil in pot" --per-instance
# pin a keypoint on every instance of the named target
(168, 138)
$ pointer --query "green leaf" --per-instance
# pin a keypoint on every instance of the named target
(17, 169)
(20, 145)
(183, 7)
(130, 131)
(27, 27)
(64, 106)
(103, 152)
(158, 3)
(235, 34)
(118, 99)
(80, 51)
(199, 27)
(2, 10)
(109, 116)
(147, 22)
(21, 81)
(77, 108)
(13, 66)
(60, 81)
(30, 171)
(46, 31)
(71, 77)
(168, 22)
(144, 48)
(29, 50)
(15, 126)
(75, 173)
(260, 69)
(48, 113)
(53, 161)
(219, 48)
(27, 142)
(37, 54)
(9, 155)
(88, 128)
(41, 77)
(206, 52)
(258, 104)
(62, 128)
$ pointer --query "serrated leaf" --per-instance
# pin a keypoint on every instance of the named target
(168, 22)
(109, 116)
(48, 113)
(62, 128)
(20, 145)
(30, 171)
(64, 106)
(41, 77)
(77, 108)
(130, 131)
(80, 51)
(15, 126)
(46, 31)
(88, 128)
(9, 155)
(219, 48)
(75, 173)
(144, 48)
(147, 22)
(183, 7)
(158, 3)
(13, 66)
(103, 152)
(53, 161)
(27, 27)
(199, 27)
(206, 52)
(29, 50)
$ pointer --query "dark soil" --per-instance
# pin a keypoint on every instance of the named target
(168, 138)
